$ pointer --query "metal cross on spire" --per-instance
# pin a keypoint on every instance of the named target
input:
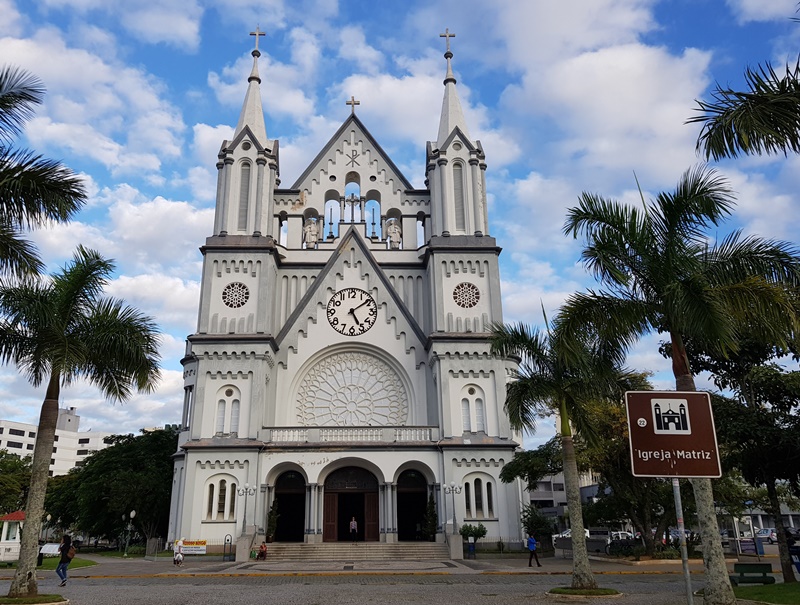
(352, 103)
(447, 35)
(257, 34)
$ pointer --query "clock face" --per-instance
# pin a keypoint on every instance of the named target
(352, 311)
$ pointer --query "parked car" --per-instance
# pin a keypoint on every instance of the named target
(621, 535)
(567, 533)
(767, 533)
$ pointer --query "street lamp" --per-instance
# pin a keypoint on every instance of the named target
(245, 491)
(47, 530)
(128, 534)
(453, 489)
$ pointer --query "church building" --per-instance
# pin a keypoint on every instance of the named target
(341, 363)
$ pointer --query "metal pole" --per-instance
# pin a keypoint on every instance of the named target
(676, 490)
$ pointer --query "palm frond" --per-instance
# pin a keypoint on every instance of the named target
(19, 92)
(35, 190)
(18, 256)
(765, 118)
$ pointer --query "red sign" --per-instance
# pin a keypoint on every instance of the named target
(672, 434)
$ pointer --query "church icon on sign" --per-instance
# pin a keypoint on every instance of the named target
(671, 417)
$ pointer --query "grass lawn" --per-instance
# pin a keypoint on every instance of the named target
(50, 564)
(782, 594)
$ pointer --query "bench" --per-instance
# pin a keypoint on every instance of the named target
(759, 569)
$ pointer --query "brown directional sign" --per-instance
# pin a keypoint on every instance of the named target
(672, 434)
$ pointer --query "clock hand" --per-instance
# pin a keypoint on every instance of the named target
(352, 312)
(366, 302)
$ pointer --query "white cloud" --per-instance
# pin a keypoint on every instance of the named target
(11, 23)
(173, 22)
(354, 47)
(759, 10)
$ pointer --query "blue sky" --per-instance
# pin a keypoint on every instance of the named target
(567, 96)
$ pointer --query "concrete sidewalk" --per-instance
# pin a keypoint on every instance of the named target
(112, 567)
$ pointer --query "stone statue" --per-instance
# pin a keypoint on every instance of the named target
(393, 233)
(310, 232)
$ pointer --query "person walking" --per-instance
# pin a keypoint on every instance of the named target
(353, 529)
(67, 551)
(532, 550)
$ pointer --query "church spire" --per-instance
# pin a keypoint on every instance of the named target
(452, 115)
(252, 111)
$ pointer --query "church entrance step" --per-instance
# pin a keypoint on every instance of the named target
(360, 551)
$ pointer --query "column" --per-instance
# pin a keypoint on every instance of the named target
(445, 215)
(219, 205)
(477, 202)
(226, 194)
(260, 162)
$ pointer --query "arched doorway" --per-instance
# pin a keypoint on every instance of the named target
(350, 492)
(290, 492)
(412, 498)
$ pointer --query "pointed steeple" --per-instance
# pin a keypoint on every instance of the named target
(252, 111)
(452, 115)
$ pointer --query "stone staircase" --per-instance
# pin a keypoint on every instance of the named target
(360, 551)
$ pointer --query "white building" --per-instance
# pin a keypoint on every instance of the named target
(71, 445)
(341, 362)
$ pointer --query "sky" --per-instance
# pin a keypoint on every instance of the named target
(566, 97)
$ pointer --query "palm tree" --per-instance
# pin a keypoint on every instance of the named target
(33, 190)
(552, 379)
(765, 118)
(59, 331)
(663, 275)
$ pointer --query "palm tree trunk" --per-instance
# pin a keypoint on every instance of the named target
(581, 570)
(24, 581)
(783, 548)
(718, 589)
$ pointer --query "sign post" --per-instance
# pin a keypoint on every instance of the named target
(672, 434)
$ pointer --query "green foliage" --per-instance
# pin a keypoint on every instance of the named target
(15, 475)
(33, 189)
(536, 524)
(431, 520)
(533, 465)
(133, 473)
(272, 518)
(472, 531)
(779, 594)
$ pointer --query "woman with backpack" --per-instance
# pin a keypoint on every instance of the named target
(67, 551)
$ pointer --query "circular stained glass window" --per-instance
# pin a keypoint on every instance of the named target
(466, 295)
(235, 295)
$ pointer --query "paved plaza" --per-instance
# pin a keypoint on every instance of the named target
(485, 580)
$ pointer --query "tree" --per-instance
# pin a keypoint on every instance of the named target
(765, 118)
(33, 190)
(663, 275)
(533, 465)
(58, 331)
(647, 503)
(15, 475)
(133, 473)
(553, 378)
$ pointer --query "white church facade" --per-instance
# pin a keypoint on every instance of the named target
(341, 362)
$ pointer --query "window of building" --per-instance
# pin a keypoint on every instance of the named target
(83, 441)
(52, 461)
(489, 499)
(473, 410)
(16, 432)
(31, 434)
(55, 449)
(221, 502)
(558, 487)
(244, 197)
(482, 490)
(55, 438)
(1, 430)
(83, 452)
(15, 444)
(29, 446)
(468, 499)
(458, 191)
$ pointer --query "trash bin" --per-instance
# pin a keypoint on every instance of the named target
(759, 546)
(40, 559)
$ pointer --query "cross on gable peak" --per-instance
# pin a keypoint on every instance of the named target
(352, 103)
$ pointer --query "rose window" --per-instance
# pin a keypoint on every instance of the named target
(235, 295)
(466, 295)
(351, 389)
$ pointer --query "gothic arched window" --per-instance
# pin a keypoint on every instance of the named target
(244, 196)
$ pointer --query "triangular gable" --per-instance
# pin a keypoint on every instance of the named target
(246, 132)
(334, 142)
(335, 261)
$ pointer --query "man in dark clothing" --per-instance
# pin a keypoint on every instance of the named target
(532, 550)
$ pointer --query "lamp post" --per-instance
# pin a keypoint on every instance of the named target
(47, 529)
(453, 489)
(128, 533)
(245, 491)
